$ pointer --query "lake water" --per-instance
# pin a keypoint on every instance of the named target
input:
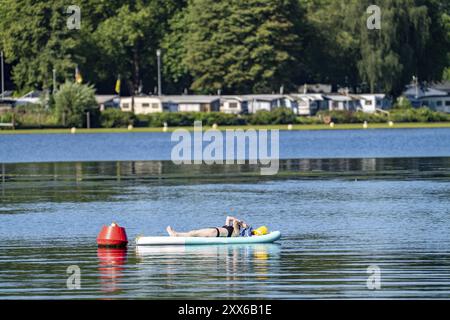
(320, 144)
(385, 205)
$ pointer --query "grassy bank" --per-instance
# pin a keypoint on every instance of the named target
(35, 119)
(298, 127)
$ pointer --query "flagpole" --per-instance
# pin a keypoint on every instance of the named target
(78, 77)
(117, 88)
(118, 85)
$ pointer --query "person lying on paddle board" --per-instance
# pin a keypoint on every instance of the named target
(233, 228)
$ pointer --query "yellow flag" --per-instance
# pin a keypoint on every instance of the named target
(118, 86)
(78, 77)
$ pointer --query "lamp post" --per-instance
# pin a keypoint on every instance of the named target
(3, 77)
(158, 55)
(416, 84)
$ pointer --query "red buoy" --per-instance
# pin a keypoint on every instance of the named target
(112, 236)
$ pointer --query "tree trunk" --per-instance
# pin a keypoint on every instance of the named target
(131, 86)
(136, 68)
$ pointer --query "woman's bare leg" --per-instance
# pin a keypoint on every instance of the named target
(194, 233)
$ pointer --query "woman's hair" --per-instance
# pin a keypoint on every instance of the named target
(242, 223)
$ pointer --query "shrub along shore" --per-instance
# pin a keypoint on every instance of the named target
(115, 121)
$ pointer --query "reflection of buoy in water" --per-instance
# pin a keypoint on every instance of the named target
(112, 236)
(111, 262)
(111, 256)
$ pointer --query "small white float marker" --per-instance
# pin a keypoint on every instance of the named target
(365, 125)
(391, 123)
(165, 127)
(214, 126)
(73, 130)
(331, 124)
(130, 127)
(289, 126)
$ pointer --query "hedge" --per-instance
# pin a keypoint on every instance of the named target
(37, 116)
(115, 118)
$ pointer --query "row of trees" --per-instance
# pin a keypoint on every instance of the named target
(234, 46)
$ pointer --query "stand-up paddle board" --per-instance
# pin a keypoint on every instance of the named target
(161, 241)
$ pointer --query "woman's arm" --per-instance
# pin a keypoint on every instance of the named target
(229, 220)
(236, 227)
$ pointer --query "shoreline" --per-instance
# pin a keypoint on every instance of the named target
(296, 127)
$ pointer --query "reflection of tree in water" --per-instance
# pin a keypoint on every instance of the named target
(154, 170)
(207, 270)
(103, 181)
(317, 275)
(56, 182)
(39, 268)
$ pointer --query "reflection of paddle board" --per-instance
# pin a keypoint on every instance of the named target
(257, 249)
(159, 241)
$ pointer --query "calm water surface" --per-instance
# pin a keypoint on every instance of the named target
(337, 217)
(377, 143)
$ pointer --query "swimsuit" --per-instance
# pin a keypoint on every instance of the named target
(230, 230)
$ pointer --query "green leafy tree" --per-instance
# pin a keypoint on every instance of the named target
(446, 74)
(436, 55)
(242, 46)
(129, 40)
(233, 45)
(175, 70)
(390, 56)
(331, 48)
(36, 39)
(445, 23)
(72, 102)
(341, 49)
